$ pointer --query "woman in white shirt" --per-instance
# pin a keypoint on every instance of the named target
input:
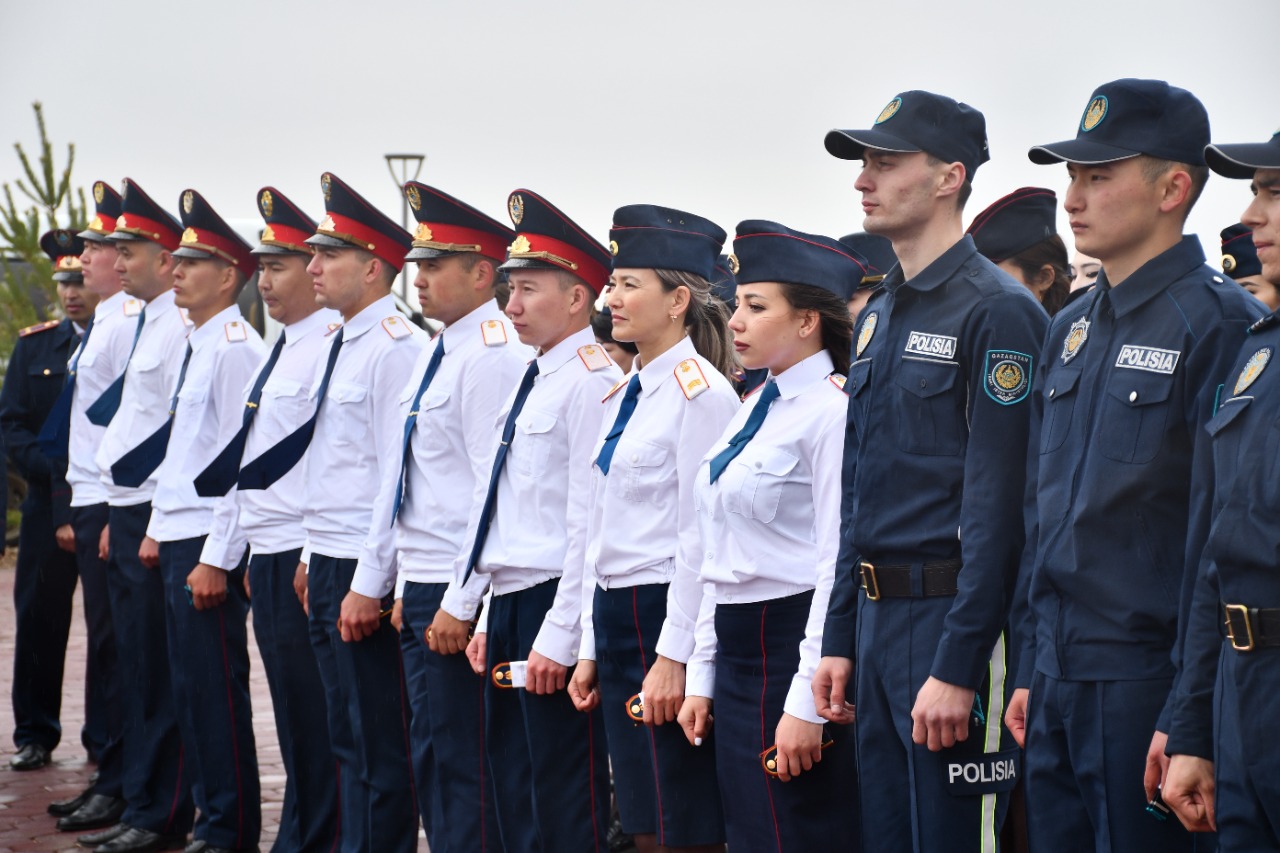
(768, 502)
(640, 591)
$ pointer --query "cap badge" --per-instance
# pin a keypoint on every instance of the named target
(328, 224)
(889, 111)
(515, 206)
(69, 262)
(63, 238)
(98, 192)
(415, 198)
(190, 236)
(188, 200)
(1076, 336)
(867, 331)
(266, 202)
(1252, 369)
(268, 233)
(1094, 114)
(1228, 263)
(520, 245)
(326, 185)
(734, 266)
(423, 233)
(97, 224)
(613, 248)
(121, 223)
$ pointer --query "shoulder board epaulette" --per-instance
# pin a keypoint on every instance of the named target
(236, 331)
(691, 378)
(594, 357)
(614, 389)
(493, 333)
(1265, 323)
(333, 327)
(38, 327)
(838, 380)
(132, 307)
(397, 327)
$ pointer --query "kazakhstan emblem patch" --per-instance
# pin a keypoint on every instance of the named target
(866, 333)
(1252, 370)
(1008, 376)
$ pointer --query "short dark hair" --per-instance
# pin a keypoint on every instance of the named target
(966, 189)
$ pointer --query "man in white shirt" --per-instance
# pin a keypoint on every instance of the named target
(547, 760)
(275, 404)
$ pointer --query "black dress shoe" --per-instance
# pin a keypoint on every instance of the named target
(99, 810)
(62, 808)
(93, 839)
(134, 840)
(31, 756)
(206, 847)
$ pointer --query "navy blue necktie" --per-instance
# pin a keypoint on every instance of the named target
(56, 430)
(133, 469)
(220, 475)
(432, 366)
(722, 459)
(491, 496)
(279, 460)
(625, 409)
(103, 409)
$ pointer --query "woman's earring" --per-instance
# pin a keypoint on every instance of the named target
(674, 318)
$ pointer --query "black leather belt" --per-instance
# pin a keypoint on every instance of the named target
(1250, 628)
(894, 581)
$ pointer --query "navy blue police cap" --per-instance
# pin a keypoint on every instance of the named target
(724, 284)
(142, 219)
(207, 235)
(285, 227)
(646, 236)
(547, 239)
(1239, 255)
(1129, 117)
(769, 251)
(1015, 223)
(878, 252)
(447, 226)
(1242, 159)
(920, 121)
(63, 246)
(351, 222)
(106, 203)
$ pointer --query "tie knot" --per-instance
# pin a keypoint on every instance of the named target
(769, 392)
(633, 387)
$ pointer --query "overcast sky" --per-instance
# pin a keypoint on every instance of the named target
(713, 106)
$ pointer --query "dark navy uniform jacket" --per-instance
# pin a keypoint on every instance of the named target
(34, 378)
(935, 446)
(1129, 375)
(1241, 558)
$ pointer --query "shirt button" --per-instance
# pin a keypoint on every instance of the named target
(924, 383)
(1052, 391)
(635, 457)
(1133, 396)
(757, 466)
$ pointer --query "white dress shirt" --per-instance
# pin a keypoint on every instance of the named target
(102, 359)
(148, 389)
(451, 447)
(271, 518)
(225, 350)
(357, 438)
(642, 526)
(771, 522)
(539, 527)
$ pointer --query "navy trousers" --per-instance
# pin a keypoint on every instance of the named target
(366, 678)
(548, 761)
(102, 675)
(209, 657)
(757, 653)
(1247, 753)
(43, 587)
(450, 772)
(662, 784)
(157, 787)
(309, 814)
(914, 799)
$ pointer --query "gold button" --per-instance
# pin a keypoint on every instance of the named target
(772, 764)
(46, 371)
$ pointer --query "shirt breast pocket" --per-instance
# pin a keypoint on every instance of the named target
(1135, 414)
(756, 480)
(1227, 443)
(351, 424)
(191, 399)
(531, 446)
(930, 416)
(285, 404)
(1059, 407)
(644, 469)
(146, 372)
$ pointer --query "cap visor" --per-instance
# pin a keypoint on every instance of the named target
(1241, 161)
(68, 276)
(850, 144)
(124, 237)
(528, 264)
(93, 236)
(264, 249)
(194, 254)
(328, 242)
(1080, 151)
(422, 253)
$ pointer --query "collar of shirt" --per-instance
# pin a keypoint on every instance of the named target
(369, 317)
(112, 304)
(1154, 277)
(466, 331)
(294, 333)
(79, 328)
(793, 381)
(663, 367)
(565, 351)
(942, 270)
(215, 326)
(158, 306)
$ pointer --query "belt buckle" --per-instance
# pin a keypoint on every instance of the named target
(1243, 610)
(869, 582)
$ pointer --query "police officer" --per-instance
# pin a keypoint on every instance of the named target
(547, 760)
(1223, 747)
(1128, 376)
(355, 436)
(1240, 261)
(46, 572)
(275, 404)
(937, 428)
(877, 252)
(1019, 234)
(205, 605)
(449, 409)
(158, 811)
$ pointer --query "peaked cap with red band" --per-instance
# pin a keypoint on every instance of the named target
(352, 223)
(646, 236)
(207, 235)
(547, 239)
(63, 248)
(106, 209)
(1015, 223)
(447, 226)
(142, 219)
(768, 251)
(287, 228)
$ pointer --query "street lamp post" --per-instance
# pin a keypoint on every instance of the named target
(405, 163)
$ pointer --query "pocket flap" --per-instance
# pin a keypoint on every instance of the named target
(1140, 388)
(927, 378)
(535, 422)
(347, 392)
(1228, 412)
(1060, 381)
